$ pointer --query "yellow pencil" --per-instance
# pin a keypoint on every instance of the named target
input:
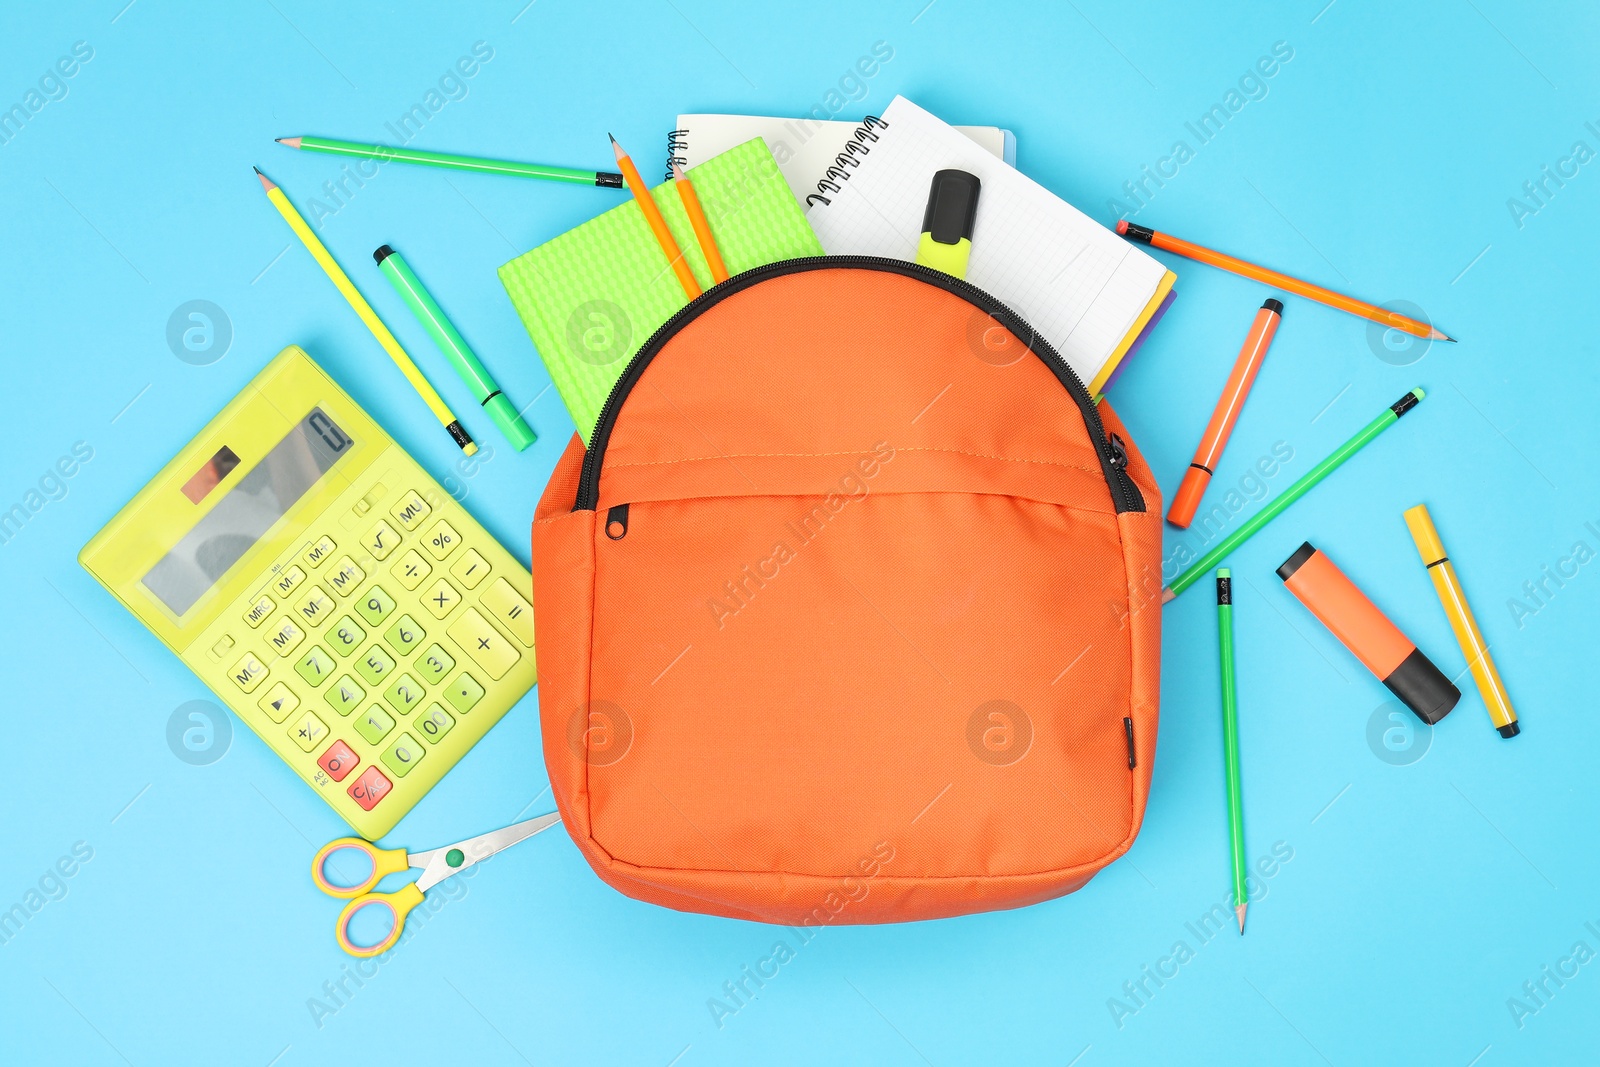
(336, 275)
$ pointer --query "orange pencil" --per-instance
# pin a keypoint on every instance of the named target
(1187, 499)
(702, 228)
(658, 225)
(1168, 243)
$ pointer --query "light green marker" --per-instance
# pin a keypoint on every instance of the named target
(455, 348)
(1390, 416)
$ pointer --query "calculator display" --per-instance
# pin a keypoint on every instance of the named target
(240, 519)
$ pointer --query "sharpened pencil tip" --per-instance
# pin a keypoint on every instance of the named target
(292, 142)
(1240, 911)
(677, 172)
(266, 182)
(1167, 594)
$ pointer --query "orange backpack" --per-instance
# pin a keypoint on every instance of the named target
(842, 614)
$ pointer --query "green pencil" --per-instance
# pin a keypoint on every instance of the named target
(384, 153)
(1230, 740)
(1390, 416)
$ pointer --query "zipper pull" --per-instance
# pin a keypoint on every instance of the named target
(1119, 453)
(617, 522)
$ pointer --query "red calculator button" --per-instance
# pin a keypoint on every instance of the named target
(370, 788)
(338, 761)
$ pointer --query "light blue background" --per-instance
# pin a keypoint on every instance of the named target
(1419, 898)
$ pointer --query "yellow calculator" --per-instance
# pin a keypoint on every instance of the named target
(328, 590)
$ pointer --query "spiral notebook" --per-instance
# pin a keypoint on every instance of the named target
(592, 296)
(806, 150)
(1091, 294)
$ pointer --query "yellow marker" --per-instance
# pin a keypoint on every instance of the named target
(335, 273)
(1448, 586)
(947, 223)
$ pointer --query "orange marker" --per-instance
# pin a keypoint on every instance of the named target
(658, 225)
(702, 227)
(1367, 632)
(1211, 257)
(1187, 499)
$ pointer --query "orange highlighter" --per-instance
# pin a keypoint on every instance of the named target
(1367, 632)
(1187, 499)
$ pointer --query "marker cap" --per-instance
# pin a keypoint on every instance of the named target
(504, 414)
(1186, 501)
(1420, 523)
(1423, 688)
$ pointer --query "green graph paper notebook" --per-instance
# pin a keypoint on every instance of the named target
(592, 297)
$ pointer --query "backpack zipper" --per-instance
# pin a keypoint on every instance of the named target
(1125, 495)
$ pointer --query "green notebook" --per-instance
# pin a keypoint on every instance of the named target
(593, 296)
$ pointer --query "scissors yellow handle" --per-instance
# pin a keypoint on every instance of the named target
(385, 861)
(399, 903)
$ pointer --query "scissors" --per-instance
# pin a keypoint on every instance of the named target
(436, 865)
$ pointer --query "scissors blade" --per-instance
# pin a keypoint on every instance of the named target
(436, 863)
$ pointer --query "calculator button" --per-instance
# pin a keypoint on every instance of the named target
(370, 788)
(374, 725)
(259, 611)
(433, 724)
(375, 664)
(318, 554)
(286, 580)
(345, 695)
(404, 694)
(338, 761)
(483, 643)
(411, 569)
(405, 635)
(307, 732)
(464, 692)
(279, 703)
(442, 598)
(315, 666)
(285, 636)
(433, 664)
(401, 756)
(376, 605)
(346, 636)
(470, 569)
(411, 510)
(346, 576)
(506, 605)
(223, 646)
(381, 540)
(314, 608)
(442, 539)
(248, 672)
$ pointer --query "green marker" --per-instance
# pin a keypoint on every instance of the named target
(384, 153)
(454, 346)
(1299, 489)
(1230, 740)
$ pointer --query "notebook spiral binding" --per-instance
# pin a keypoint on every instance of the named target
(847, 160)
(677, 151)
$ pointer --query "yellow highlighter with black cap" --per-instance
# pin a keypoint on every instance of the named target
(946, 240)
